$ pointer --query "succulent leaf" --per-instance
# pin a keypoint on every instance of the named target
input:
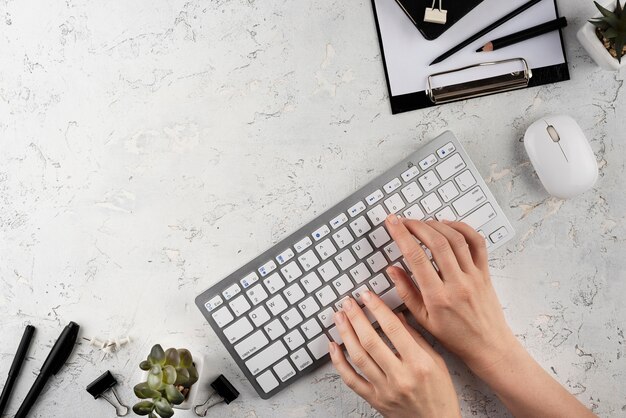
(144, 391)
(169, 375)
(193, 375)
(143, 407)
(173, 395)
(172, 357)
(186, 360)
(153, 415)
(612, 26)
(145, 365)
(182, 377)
(157, 355)
(155, 377)
(163, 408)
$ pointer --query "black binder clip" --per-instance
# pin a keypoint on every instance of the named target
(98, 387)
(222, 388)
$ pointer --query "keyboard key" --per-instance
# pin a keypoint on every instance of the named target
(301, 359)
(308, 307)
(377, 262)
(431, 203)
(359, 273)
(345, 260)
(319, 346)
(274, 329)
(338, 220)
(274, 283)
(414, 212)
(380, 237)
(222, 317)
(356, 209)
(446, 150)
(231, 291)
(334, 334)
(325, 249)
(450, 167)
(326, 295)
(410, 174)
(249, 280)
(392, 185)
(311, 282)
(412, 192)
(448, 191)
(362, 248)
(237, 330)
(308, 260)
(394, 203)
(213, 303)
(328, 271)
(321, 232)
(465, 180)
(251, 345)
(429, 181)
(311, 328)
(303, 244)
(294, 293)
(498, 234)
(469, 201)
(257, 294)
(343, 237)
(358, 293)
(285, 256)
(343, 284)
(291, 318)
(239, 305)
(291, 271)
(360, 226)
(259, 316)
(374, 197)
(276, 305)
(391, 298)
(267, 268)
(267, 381)
(379, 284)
(339, 305)
(294, 339)
(428, 162)
(266, 358)
(284, 370)
(377, 215)
(392, 251)
(326, 317)
(445, 214)
(481, 216)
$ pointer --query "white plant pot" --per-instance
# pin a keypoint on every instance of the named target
(595, 48)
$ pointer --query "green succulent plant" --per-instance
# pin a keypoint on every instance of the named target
(612, 27)
(171, 374)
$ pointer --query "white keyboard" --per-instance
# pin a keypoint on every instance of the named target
(275, 314)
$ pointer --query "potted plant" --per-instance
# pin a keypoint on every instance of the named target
(604, 36)
(169, 378)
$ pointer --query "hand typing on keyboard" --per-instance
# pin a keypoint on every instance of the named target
(458, 305)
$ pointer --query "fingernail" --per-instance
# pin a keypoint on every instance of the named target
(446, 221)
(347, 305)
(331, 348)
(393, 219)
(367, 296)
(391, 275)
(339, 318)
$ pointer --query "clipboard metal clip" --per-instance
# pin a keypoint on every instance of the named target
(482, 87)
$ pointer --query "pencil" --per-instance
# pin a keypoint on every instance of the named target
(524, 35)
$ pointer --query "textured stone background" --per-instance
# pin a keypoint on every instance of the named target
(148, 148)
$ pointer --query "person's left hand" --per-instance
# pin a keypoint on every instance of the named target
(415, 382)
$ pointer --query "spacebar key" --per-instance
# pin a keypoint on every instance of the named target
(266, 358)
(480, 216)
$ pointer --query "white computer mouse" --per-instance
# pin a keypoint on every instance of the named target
(561, 155)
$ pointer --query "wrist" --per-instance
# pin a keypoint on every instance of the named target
(501, 350)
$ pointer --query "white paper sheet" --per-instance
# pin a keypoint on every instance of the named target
(407, 53)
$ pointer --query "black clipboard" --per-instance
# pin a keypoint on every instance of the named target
(420, 99)
(456, 10)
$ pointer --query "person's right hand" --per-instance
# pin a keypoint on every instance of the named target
(458, 304)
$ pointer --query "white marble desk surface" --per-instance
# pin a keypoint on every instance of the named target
(148, 148)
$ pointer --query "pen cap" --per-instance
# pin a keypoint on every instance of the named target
(62, 349)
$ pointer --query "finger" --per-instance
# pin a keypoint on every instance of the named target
(423, 270)
(350, 377)
(391, 326)
(368, 337)
(459, 245)
(360, 357)
(476, 242)
(438, 246)
(409, 294)
(419, 338)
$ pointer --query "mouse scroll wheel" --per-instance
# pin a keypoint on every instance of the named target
(553, 134)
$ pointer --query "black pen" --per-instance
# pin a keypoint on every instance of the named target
(485, 31)
(14, 371)
(524, 35)
(56, 359)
